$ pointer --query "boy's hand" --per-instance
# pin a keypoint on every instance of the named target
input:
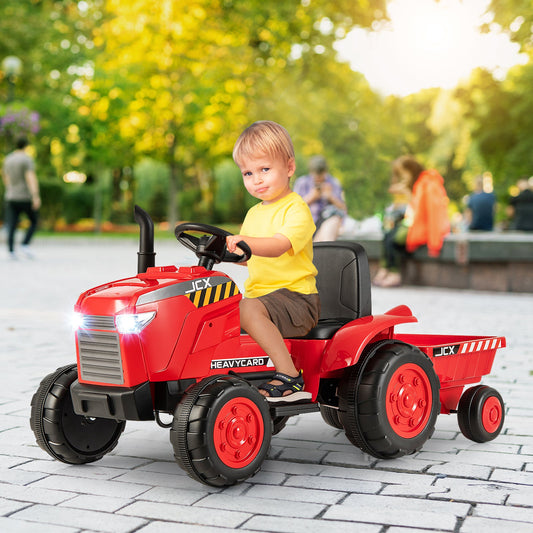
(232, 241)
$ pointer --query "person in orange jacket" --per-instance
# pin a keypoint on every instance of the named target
(425, 221)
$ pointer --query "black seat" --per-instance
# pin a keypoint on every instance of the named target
(343, 283)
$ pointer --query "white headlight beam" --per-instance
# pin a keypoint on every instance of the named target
(133, 323)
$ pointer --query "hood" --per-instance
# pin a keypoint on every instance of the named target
(198, 285)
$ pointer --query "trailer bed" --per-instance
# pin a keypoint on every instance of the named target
(459, 360)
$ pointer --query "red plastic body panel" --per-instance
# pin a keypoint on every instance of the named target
(458, 360)
(180, 299)
(196, 333)
(348, 343)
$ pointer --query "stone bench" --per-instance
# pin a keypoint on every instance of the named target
(496, 261)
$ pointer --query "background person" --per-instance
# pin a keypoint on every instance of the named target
(520, 207)
(425, 221)
(324, 196)
(21, 195)
(400, 190)
(481, 205)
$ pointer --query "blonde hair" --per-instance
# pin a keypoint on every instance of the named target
(263, 138)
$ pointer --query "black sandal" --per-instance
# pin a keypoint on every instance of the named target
(295, 385)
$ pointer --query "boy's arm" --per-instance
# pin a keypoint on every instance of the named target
(273, 246)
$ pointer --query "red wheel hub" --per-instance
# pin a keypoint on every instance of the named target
(409, 400)
(491, 414)
(238, 432)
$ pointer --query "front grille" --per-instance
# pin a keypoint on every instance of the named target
(98, 322)
(100, 358)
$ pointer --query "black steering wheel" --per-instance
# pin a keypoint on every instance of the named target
(210, 248)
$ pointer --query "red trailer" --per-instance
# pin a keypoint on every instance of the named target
(168, 340)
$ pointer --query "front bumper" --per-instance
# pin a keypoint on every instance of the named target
(118, 403)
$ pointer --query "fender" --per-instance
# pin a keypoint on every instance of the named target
(349, 342)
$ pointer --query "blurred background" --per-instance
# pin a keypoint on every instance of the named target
(135, 101)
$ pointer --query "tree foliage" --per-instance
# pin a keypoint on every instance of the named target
(52, 38)
(187, 78)
(502, 125)
(516, 18)
(118, 84)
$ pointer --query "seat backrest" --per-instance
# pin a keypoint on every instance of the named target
(343, 280)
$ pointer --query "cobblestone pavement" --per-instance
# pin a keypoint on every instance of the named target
(313, 481)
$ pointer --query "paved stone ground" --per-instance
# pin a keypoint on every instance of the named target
(313, 481)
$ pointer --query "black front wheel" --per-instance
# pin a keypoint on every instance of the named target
(221, 431)
(63, 434)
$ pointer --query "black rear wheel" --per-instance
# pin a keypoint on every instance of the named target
(481, 413)
(221, 431)
(63, 434)
(331, 416)
(389, 401)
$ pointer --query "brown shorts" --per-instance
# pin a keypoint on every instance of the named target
(293, 313)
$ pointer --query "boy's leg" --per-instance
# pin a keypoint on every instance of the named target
(255, 320)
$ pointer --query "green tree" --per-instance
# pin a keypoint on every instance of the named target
(185, 77)
(499, 114)
(516, 18)
(52, 38)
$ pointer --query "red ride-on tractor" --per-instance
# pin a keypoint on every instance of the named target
(168, 340)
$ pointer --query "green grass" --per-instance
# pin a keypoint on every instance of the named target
(159, 234)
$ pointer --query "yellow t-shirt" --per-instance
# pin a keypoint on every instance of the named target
(293, 270)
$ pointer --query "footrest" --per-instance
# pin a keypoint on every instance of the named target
(290, 409)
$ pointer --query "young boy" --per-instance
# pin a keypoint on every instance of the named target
(281, 298)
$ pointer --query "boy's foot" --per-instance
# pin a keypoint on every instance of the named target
(288, 390)
(12, 256)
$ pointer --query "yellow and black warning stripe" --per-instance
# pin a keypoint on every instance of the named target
(213, 294)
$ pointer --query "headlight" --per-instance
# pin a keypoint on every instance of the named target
(76, 321)
(133, 323)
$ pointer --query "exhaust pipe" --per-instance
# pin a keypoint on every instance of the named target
(146, 254)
